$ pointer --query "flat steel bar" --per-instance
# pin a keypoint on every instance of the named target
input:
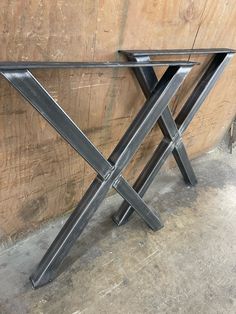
(202, 90)
(130, 195)
(174, 52)
(40, 99)
(143, 182)
(24, 65)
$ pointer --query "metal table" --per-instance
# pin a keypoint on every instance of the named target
(109, 172)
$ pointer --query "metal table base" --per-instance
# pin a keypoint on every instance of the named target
(172, 129)
(109, 172)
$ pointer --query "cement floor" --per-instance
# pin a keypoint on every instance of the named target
(187, 267)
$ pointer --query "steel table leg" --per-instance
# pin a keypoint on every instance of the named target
(109, 171)
(172, 130)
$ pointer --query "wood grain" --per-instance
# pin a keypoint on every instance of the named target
(41, 176)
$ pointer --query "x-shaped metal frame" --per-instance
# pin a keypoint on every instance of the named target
(109, 171)
(172, 130)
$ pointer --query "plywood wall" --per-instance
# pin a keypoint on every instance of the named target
(41, 176)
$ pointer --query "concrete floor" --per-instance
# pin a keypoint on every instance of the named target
(187, 267)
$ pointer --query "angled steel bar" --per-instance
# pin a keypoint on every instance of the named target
(47, 268)
(39, 98)
(146, 79)
(183, 162)
(130, 195)
(202, 90)
(109, 172)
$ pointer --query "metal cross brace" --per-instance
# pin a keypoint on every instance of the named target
(172, 129)
(109, 171)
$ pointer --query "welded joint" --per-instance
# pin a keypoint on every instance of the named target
(177, 140)
(140, 59)
(167, 140)
(109, 173)
(117, 181)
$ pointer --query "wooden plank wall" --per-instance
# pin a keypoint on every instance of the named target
(41, 177)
